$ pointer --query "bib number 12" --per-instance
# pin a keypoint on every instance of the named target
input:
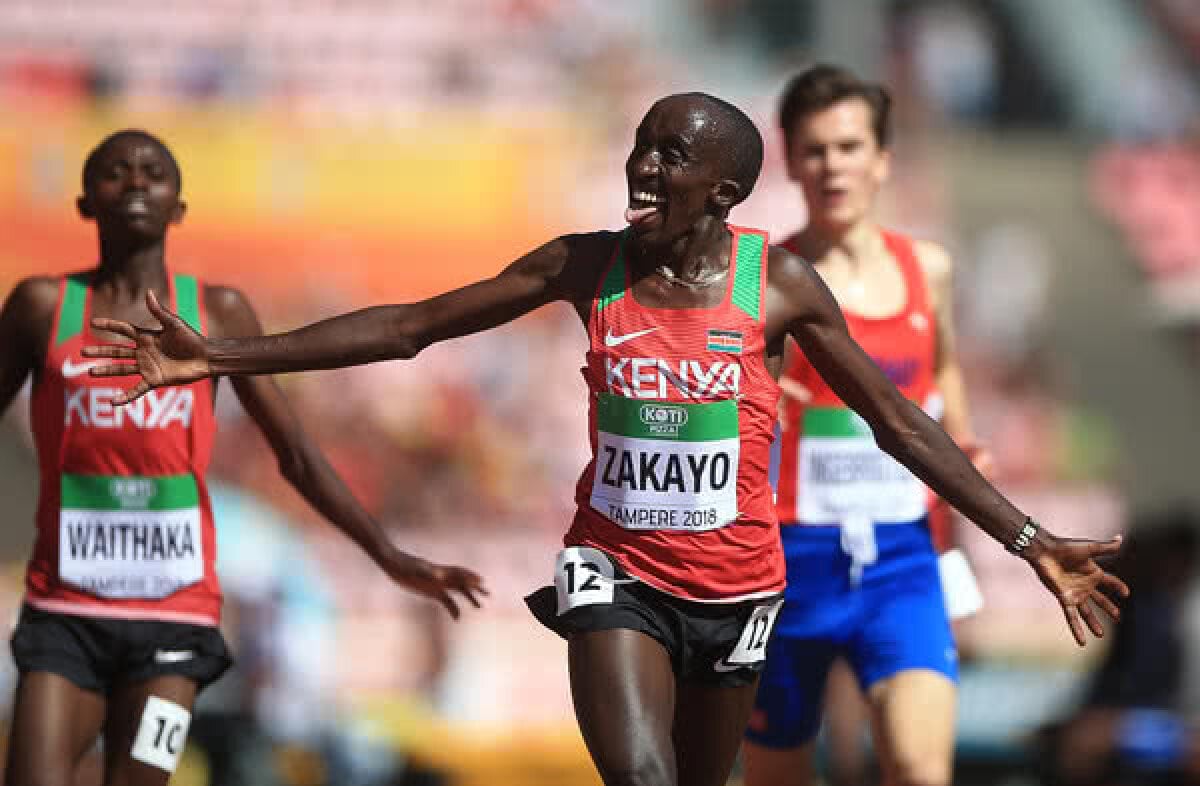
(582, 576)
(752, 645)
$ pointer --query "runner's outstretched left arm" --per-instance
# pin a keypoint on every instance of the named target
(305, 467)
(799, 304)
(175, 354)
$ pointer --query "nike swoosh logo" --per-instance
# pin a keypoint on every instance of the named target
(724, 666)
(615, 341)
(70, 370)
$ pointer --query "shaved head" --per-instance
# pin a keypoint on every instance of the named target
(729, 131)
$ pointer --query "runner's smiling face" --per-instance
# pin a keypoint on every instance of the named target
(673, 170)
(133, 188)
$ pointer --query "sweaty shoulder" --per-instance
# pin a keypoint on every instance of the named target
(31, 306)
(575, 262)
(791, 277)
(36, 295)
(795, 293)
(229, 312)
(784, 266)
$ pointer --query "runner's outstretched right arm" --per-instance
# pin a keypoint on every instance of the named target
(303, 464)
(175, 354)
(25, 325)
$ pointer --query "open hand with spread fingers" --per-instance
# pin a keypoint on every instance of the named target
(1068, 568)
(173, 354)
(438, 582)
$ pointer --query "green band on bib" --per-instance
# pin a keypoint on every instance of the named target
(70, 314)
(747, 280)
(613, 288)
(123, 492)
(669, 421)
(187, 300)
(834, 422)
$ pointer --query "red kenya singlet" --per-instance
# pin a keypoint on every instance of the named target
(682, 408)
(124, 522)
(830, 466)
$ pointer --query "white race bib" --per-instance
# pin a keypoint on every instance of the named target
(843, 472)
(666, 466)
(126, 537)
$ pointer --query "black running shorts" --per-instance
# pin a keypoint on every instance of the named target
(97, 653)
(717, 643)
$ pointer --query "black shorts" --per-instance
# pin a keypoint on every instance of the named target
(717, 643)
(97, 653)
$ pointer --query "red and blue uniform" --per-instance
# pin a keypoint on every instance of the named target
(863, 579)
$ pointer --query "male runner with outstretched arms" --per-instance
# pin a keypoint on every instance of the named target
(672, 572)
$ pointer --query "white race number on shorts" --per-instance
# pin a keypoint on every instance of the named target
(582, 576)
(161, 734)
(959, 587)
(751, 647)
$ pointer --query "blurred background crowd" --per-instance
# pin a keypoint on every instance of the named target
(338, 153)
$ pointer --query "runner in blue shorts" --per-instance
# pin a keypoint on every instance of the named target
(863, 580)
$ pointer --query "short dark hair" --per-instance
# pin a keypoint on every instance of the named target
(822, 86)
(741, 140)
(93, 159)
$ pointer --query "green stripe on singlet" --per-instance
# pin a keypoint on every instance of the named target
(187, 300)
(613, 288)
(70, 311)
(834, 422)
(125, 492)
(747, 280)
(660, 420)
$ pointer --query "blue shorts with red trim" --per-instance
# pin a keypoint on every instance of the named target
(892, 620)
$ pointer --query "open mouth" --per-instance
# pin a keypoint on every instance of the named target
(644, 207)
(136, 206)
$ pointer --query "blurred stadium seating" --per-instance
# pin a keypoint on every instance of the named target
(345, 152)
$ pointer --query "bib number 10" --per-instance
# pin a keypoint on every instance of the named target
(161, 734)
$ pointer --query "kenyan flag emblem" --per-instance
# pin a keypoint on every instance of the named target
(725, 341)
